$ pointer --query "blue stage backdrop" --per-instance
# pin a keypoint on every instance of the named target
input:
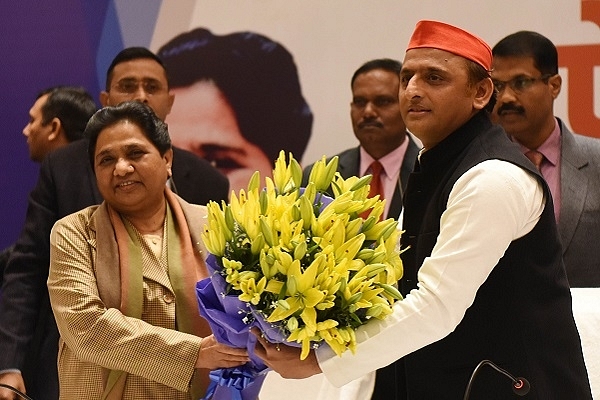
(47, 43)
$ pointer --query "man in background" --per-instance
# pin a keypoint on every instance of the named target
(386, 150)
(58, 117)
(28, 332)
(525, 73)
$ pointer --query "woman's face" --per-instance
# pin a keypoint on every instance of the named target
(203, 122)
(130, 171)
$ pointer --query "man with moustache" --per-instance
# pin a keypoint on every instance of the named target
(28, 332)
(57, 117)
(525, 73)
(381, 132)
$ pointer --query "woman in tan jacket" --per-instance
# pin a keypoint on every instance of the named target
(123, 274)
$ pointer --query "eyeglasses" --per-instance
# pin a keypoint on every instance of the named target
(130, 86)
(520, 83)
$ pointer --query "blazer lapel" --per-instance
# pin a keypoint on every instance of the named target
(349, 163)
(574, 186)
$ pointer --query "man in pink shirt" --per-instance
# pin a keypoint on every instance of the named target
(381, 133)
(525, 73)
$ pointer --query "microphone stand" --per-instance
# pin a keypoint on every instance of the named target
(520, 385)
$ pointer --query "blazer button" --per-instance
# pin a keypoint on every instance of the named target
(168, 298)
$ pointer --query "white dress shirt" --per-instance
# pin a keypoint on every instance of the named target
(492, 204)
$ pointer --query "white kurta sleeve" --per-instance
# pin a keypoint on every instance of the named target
(491, 205)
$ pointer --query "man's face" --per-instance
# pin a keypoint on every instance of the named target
(143, 80)
(36, 132)
(525, 102)
(203, 122)
(375, 112)
(435, 95)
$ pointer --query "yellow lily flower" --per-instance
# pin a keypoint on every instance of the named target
(302, 294)
(251, 290)
(350, 248)
(301, 264)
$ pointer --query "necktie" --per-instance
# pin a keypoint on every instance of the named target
(536, 158)
(376, 186)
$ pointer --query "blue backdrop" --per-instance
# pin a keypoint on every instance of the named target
(47, 43)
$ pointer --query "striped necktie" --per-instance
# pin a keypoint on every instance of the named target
(536, 158)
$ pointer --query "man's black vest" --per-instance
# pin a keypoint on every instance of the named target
(521, 318)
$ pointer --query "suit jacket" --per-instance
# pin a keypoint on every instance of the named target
(4, 256)
(66, 184)
(97, 336)
(579, 222)
(349, 164)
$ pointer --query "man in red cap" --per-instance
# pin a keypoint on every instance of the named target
(484, 282)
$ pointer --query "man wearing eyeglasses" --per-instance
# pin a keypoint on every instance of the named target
(525, 74)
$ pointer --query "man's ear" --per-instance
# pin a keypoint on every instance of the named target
(483, 93)
(171, 101)
(555, 83)
(104, 98)
(56, 129)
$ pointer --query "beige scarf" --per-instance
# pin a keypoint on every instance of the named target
(120, 285)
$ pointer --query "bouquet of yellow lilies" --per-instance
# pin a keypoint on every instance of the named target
(305, 267)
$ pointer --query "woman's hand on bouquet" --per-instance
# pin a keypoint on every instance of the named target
(285, 360)
(214, 355)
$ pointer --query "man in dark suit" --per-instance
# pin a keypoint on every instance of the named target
(380, 130)
(28, 333)
(525, 73)
(58, 117)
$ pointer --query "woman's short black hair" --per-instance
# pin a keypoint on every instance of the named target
(133, 111)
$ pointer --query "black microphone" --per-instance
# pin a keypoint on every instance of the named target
(520, 385)
(15, 390)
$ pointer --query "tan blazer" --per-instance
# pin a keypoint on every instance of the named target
(160, 360)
